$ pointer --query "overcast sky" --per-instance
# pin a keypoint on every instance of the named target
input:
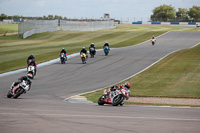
(119, 9)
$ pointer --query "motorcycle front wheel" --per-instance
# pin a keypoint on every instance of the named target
(18, 93)
(117, 100)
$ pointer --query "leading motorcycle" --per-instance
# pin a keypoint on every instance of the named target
(114, 96)
(19, 88)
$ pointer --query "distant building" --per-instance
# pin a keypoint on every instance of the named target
(106, 15)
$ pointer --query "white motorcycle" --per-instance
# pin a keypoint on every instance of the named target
(31, 71)
(17, 89)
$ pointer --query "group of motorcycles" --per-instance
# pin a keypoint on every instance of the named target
(63, 56)
(114, 96)
(24, 83)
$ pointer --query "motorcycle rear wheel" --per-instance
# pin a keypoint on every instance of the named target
(9, 95)
(100, 101)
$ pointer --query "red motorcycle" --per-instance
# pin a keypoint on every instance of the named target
(153, 41)
(114, 96)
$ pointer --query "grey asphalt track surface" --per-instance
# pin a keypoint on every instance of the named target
(42, 109)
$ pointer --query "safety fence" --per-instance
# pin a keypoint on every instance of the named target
(31, 27)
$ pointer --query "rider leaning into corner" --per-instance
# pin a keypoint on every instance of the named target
(26, 78)
(125, 86)
(84, 51)
(92, 46)
(32, 58)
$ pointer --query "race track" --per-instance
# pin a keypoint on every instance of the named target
(42, 109)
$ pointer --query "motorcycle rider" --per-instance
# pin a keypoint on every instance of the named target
(92, 46)
(84, 51)
(64, 51)
(106, 44)
(126, 85)
(31, 61)
(20, 80)
(153, 38)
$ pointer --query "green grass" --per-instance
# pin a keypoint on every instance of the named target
(177, 76)
(46, 46)
(9, 28)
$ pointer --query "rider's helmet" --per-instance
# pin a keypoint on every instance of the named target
(153, 36)
(63, 48)
(83, 48)
(32, 55)
(127, 85)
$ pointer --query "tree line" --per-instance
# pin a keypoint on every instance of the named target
(17, 17)
(167, 13)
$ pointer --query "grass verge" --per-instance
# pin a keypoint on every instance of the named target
(9, 28)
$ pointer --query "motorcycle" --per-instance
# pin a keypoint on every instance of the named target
(18, 89)
(106, 50)
(92, 52)
(153, 41)
(63, 58)
(114, 96)
(83, 57)
(31, 71)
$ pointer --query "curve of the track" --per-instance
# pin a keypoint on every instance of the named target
(43, 110)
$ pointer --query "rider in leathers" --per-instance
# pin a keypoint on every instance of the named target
(92, 46)
(84, 51)
(106, 44)
(64, 51)
(32, 62)
(20, 80)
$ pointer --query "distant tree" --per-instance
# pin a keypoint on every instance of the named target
(194, 13)
(163, 13)
(44, 17)
(50, 17)
(182, 12)
(3, 16)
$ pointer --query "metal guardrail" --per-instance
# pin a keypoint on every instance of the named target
(31, 27)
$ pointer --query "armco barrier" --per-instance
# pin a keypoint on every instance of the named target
(191, 23)
(155, 22)
(33, 31)
(136, 22)
(174, 23)
(31, 27)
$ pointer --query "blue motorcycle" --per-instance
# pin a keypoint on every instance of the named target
(63, 58)
(106, 50)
